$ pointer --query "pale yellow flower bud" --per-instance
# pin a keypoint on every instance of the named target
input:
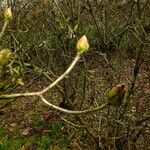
(8, 14)
(5, 55)
(82, 45)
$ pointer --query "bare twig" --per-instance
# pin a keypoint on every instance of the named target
(4, 28)
(69, 122)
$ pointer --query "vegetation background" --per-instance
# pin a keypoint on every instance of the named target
(42, 36)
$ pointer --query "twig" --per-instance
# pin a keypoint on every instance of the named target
(4, 28)
(69, 122)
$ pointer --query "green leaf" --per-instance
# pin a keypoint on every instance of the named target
(20, 82)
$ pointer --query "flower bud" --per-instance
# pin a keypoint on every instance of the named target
(82, 45)
(8, 14)
(116, 95)
(5, 55)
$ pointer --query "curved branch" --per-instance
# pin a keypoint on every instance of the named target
(40, 93)
(74, 111)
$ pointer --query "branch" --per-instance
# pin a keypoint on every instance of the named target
(74, 111)
(40, 93)
(82, 46)
(48, 87)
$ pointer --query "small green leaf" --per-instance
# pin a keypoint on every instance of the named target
(20, 82)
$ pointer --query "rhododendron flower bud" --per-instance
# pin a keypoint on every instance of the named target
(8, 14)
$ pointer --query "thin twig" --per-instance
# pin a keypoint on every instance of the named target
(4, 28)
(69, 122)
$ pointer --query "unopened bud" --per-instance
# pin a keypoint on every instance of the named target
(8, 14)
(82, 45)
(5, 56)
(116, 95)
